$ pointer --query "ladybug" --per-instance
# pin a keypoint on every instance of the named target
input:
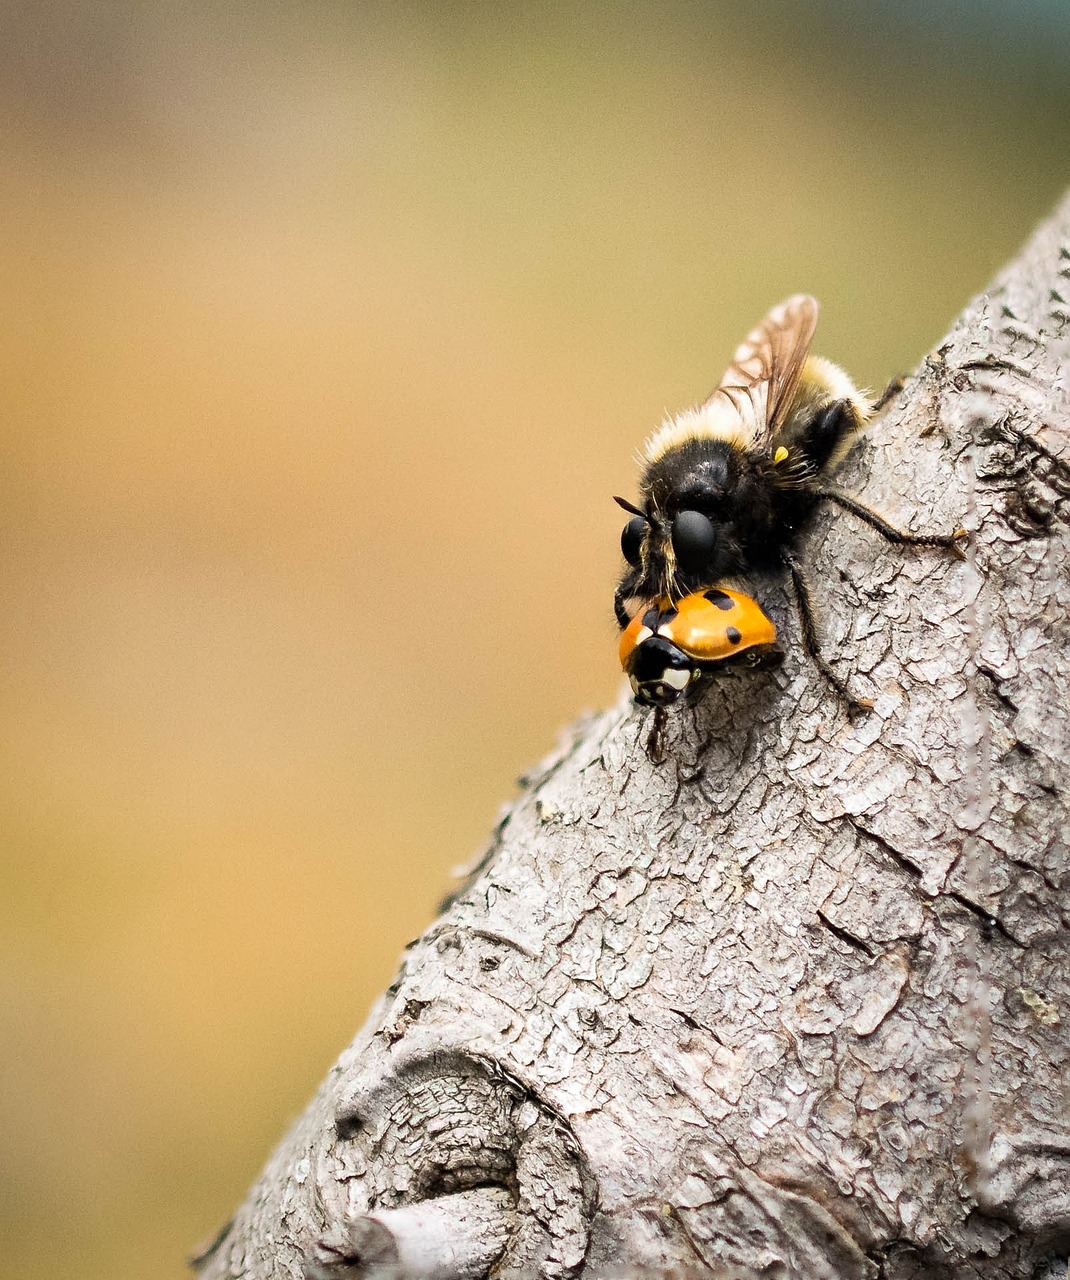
(668, 647)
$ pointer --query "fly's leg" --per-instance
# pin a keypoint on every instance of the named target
(953, 541)
(655, 742)
(801, 588)
(895, 385)
(626, 588)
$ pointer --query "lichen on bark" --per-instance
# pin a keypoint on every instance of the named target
(790, 996)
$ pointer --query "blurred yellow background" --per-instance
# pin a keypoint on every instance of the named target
(328, 332)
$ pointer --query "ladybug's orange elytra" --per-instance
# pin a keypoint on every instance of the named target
(708, 626)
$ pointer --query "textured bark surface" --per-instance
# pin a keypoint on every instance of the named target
(790, 998)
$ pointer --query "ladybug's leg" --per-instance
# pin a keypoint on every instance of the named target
(889, 531)
(811, 644)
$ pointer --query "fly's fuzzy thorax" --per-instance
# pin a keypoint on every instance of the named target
(821, 384)
(728, 415)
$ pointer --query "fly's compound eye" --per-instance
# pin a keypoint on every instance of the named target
(693, 539)
(631, 539)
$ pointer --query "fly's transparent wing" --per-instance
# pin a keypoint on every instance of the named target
(761, 381)
(755, 396)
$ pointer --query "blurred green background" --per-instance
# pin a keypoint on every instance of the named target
(328, 331)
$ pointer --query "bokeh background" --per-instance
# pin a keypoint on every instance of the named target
(327, 332)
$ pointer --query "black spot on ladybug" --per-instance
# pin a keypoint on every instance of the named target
(733, 635)
(719, 599)
(667, 616)
(650, 619)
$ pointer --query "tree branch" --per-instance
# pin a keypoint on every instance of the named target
(793, 997)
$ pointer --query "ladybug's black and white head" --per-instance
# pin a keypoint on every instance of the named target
(659, 672)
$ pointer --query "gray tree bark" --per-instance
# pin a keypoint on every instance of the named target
(788, 996)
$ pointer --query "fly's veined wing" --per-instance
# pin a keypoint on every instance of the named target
(766, 366)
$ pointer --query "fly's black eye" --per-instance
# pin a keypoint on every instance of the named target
(693, 539)
(631, 539)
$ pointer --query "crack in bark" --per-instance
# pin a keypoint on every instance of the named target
(897, 856)
(988, 920)
(845, 935)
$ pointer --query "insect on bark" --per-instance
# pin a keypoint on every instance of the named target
(728, 489)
